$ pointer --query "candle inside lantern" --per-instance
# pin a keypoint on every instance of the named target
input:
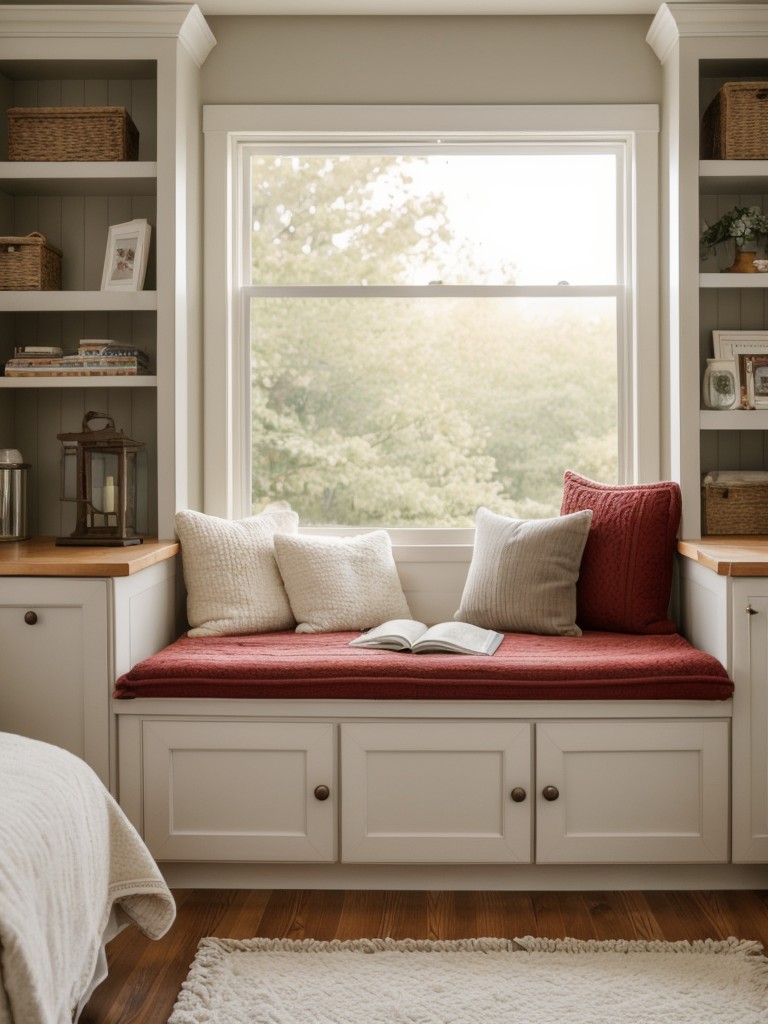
(108, 495)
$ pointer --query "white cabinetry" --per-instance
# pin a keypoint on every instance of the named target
(215, 787)
(54, 635)
(750, 722)
(240, 790)
(632, 792)
(724, 603)
(65, 639)
(147, 60)
(702, 46)
(431, 792)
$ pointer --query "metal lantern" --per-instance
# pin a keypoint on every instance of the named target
(98, 471)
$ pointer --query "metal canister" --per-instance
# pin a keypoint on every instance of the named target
(13, 495)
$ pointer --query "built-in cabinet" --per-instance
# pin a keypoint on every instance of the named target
(702, 46)
(724, 608)
(55, 677)
(69, 625)
(399, 791)
(147, 60)
(232, 790)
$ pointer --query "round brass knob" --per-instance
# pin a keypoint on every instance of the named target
(30, 618)
(518, 794)
(322, 792)
(550, 792)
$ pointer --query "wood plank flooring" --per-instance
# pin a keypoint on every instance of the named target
(145, 977)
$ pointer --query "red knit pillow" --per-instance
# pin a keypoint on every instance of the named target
(626, 571)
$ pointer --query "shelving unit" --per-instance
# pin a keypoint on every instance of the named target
(702, 46)
(146, 59)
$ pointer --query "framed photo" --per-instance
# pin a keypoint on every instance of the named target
(742, 346)
(125, 264)
(756, 374)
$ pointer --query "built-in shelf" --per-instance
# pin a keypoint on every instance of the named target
(733, 419)
(733, 176)
(33, 178)
(125, 381)
(61, 301)
(726, 280)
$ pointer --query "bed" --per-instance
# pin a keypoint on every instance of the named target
(73, 873)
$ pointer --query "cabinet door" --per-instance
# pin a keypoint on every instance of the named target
(248, 791)
(632, 792)
(750, 721)
(436, 792)
(55, 678)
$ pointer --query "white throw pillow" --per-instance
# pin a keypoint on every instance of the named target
(341, 583)
(233, 584)
(523, 573)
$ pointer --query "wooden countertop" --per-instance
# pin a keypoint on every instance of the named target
(729, 556)
(41, 557)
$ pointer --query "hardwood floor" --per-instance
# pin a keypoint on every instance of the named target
(145, 977)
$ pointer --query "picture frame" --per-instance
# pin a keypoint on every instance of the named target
(125, 262)
(741, 346)
(756, 374)
(732, 344)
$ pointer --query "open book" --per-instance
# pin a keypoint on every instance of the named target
(446, 637)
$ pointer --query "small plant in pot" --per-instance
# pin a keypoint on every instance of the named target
(746, 226)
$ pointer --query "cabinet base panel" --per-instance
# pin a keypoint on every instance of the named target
(529, 878)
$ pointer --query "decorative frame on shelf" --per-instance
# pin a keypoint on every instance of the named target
(125, 263)
(756, 374)
(743, 347)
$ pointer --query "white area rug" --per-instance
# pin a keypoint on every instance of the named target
(476, 981)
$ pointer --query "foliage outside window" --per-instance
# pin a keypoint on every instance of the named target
(431, 332)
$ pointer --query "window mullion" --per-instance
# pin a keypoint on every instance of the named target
(432, 291)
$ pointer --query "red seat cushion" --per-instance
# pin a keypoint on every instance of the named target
(595, 666)
(625, 580)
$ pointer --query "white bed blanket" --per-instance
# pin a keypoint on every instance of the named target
(69, 861)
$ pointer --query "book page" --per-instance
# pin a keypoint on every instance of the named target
(395, 635)
(459, 637)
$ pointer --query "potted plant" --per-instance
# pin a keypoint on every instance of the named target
(746, 226)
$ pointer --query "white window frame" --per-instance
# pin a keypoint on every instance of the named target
(633, 128)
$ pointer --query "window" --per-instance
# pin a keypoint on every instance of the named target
(422, 326)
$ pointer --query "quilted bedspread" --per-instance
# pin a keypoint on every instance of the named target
(288, 665)
(70, 863)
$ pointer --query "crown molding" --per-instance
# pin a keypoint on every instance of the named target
(675, 21)
(183, 22)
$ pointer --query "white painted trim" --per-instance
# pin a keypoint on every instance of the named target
(162, 21)
(643, 461)
(225, 126)
(675, 21)
(345, 709)
(482, 877)
(281, 121)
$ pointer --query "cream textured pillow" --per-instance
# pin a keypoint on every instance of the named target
(522, 577)
(233, 584)
(340, 583)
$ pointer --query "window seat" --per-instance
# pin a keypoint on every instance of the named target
(350, 765)
(287, 665)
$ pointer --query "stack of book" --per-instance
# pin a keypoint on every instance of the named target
(92, 359)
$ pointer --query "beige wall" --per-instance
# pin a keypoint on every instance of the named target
(431, 60)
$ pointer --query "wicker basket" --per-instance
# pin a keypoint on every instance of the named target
(734, 508)
(71, 133)
(735, 124)
(29, 264)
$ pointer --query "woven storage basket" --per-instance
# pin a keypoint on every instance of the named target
(71, 133)
(29, 263)
(734, 508)
(735, 124)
